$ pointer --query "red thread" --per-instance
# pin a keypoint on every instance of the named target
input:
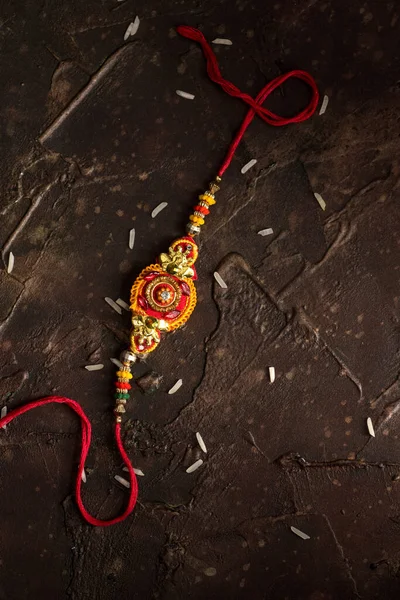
(86, 438)
(255, 104)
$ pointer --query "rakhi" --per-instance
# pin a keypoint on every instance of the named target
(164, 295)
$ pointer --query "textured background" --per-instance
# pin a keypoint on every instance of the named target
(93, 137)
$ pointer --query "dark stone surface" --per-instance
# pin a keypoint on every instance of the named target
(93, 137)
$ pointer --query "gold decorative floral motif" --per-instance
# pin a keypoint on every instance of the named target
(147, 328)
(176, 263)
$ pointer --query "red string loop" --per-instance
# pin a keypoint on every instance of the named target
(86, 439)
(255, 104)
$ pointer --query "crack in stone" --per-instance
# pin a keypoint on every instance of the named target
(342, 554)
(305, 320)
(294, 461)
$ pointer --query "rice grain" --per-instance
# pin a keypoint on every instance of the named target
(370, 426)
(132, 28)
(220, 281)
(271, 371)
(117, 363)
(158, 209)
(122, 481)
(10, 264)
(122, 304)
(176, 387)
(264, 232)
(186, 95)
(131, 238)
(324, 105)
(201, 442)
(3, 414)
(301, 534)
(113, 305)
(136, 471)
(194, 466)
(223, 41)
(320, 200)
(248, 166)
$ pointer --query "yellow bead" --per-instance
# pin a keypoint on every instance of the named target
(196, 219)
(207, 198)
(124, 374)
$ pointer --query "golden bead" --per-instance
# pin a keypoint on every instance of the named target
(118, 419)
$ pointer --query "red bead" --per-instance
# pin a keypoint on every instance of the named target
(122, 386)
(202, 209)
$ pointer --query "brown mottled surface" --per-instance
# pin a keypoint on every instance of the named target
(93, 137)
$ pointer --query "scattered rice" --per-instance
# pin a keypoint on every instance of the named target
(131, 238)
(113, 305)
(271, 374)
(3, 414)
(268, 231)
(201, 442)
(132, 28)
(219, 280)
(222, 41)
(301, 534)
(370, 427)
(324, 105)
(185, 95)
(117, 363)
(158, 209)
(94, 367)
(83, 476)
(176, 387)
(10, 264)
(122, 481)
(320, 200)
(136, 471)
(122, 304)
(248, 166)
(194, 466)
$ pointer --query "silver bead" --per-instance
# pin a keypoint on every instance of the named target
(128, 356)
(199, 214)
(192, 229)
